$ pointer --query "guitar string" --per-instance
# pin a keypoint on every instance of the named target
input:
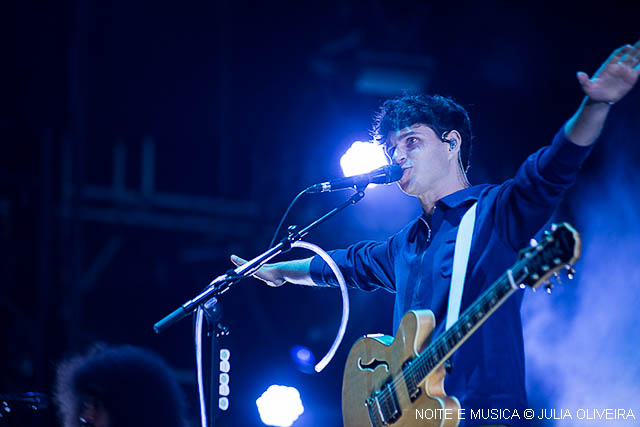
(385, 394)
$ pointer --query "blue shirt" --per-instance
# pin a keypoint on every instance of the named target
(416, 264)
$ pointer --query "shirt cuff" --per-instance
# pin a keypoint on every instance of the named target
(317, 272)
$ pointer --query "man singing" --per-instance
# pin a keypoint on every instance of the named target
(429, 136)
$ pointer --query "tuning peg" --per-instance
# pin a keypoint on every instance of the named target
(533, 243)
(570, 271)
(554, 227)
(548, 288)
(557, 276)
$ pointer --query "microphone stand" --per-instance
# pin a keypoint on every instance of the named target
(222, 283)
(213, 314)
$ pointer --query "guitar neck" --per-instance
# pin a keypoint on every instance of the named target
(474, 316)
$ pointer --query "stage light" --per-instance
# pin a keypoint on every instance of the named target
(223, 403)
(223, 390)
(279, 406)
(303, 359)
(362, 157)
(224, 378)
(223, 387)
(225, 365)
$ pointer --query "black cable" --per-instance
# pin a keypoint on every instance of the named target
(295, 199)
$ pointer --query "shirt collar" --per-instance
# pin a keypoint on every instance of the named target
(461, 196)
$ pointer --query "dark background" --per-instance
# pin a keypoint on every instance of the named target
(234, 107)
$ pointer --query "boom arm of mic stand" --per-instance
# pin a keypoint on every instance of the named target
(218, 286)
(222, 283)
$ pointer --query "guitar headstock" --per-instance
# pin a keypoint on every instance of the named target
(558, 250)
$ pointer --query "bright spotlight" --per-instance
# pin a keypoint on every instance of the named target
(362, 157)
(279, 406)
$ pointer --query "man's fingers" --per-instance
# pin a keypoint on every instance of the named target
(620, 52)
(636, 53)
(237, 260)
(619, 55)
(262, 274)
(583, 78)
(628, 55)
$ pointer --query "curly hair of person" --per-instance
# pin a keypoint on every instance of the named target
(442, 114)
(135, 387)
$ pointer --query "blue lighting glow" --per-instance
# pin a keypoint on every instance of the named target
(279, 406)
(362, 157)
(303, 359)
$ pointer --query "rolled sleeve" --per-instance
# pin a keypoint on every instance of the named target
(365, 265)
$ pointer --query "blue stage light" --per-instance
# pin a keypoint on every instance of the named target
(303, 359)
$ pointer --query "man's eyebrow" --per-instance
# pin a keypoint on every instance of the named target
(405, 134)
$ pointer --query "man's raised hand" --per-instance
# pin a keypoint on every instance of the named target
(615, 77)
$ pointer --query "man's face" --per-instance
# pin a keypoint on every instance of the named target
(422, 156)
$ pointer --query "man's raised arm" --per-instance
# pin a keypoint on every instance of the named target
(613, 80)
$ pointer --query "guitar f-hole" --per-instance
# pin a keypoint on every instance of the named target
(373, 365)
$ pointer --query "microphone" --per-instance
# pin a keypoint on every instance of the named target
(384, 175)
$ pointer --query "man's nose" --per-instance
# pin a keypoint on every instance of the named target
(399, 157)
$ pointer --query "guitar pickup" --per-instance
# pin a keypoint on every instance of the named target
(383, 406)
(410, 381)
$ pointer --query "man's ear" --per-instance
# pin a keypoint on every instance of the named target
(454, 139)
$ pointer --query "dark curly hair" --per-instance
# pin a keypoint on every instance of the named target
(440, 113)
(134, 386)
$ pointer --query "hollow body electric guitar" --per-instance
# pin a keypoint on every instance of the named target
(386, 380)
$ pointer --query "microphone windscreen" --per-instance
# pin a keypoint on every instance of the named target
(395, 172)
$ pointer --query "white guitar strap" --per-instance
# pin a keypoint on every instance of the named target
(460, 261)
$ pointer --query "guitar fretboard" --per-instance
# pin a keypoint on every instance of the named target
(469, 321)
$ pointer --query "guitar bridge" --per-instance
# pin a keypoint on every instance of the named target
(383, 406)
